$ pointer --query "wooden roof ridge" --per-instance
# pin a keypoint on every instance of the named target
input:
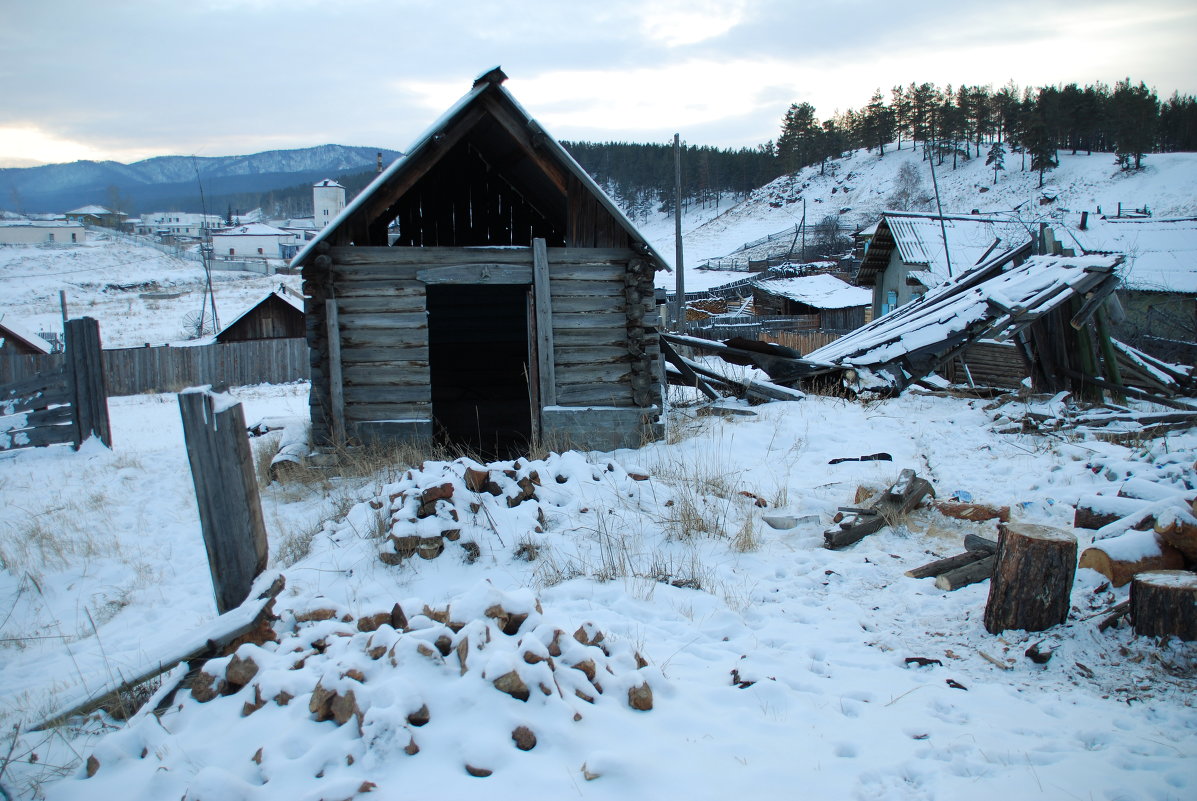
(282, 293)
(486, 96)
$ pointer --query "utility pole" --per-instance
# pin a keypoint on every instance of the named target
(942, 228)
(680, 305)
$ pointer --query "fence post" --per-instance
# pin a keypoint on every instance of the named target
(85, 371)
(226, 492)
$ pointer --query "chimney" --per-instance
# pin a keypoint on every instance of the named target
(1084, 220)
(379, 168)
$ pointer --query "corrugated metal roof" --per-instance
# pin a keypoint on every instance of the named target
(1161, 255)
(920, 240)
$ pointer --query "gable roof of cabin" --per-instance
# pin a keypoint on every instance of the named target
(486, 97)
(282, 294)
(10, 328)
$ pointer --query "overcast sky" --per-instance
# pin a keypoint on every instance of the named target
(130, 79)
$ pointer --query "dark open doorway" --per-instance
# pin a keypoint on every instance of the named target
(478, 363)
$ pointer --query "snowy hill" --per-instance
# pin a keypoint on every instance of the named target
(858, 187)
(59, 187)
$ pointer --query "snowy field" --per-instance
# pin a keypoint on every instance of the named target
(777, 668)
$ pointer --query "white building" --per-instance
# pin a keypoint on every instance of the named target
(253, 241)
(35, 232)
(328, 198)
(178, 223)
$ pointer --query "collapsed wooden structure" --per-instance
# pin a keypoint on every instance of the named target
(484, 289)
(1048, 308)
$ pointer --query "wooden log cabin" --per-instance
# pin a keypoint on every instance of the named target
(483, 290)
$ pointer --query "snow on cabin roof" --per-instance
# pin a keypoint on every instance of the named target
(920, 239)
(252, 229)
(1161, 255)
(971, 305)
(819, 291)
(93, 209)
(281, 293)
(482, 84)
(11, 328)
(328, 182)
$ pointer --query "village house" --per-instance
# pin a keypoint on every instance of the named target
(98, 216)
(177, 224)
(37, 232)
(905, 255)
(253, 241)
(484, 290)
(279, 315)
(1159, 277)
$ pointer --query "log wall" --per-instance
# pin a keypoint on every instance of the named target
(603, 354)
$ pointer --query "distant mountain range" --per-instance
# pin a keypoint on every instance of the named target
(174, 181)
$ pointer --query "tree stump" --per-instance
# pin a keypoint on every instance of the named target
(1164, 602)
(1032, 578)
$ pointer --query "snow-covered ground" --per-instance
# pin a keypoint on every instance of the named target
(138, 294)
(777, 668)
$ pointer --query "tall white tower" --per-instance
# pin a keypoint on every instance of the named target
(328, 198)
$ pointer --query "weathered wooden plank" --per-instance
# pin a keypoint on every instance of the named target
(399, 410)
(564, 287)
(595, 320)
(431, 256)
(36, 437)
(44, 383)
(604, 335)
(417, 393)
(227, 495)
(386, 374)
(407, 336)
(366, 320)
(58, 415)
(36, 400)
(366, 356)
(588, 394)
(486, 273)
(594, 373)
(588, 305)
(589, 273)
(590, 354)
(543, 324)
(85, 359)
(409, 303)
(386, 288)
(336, 381)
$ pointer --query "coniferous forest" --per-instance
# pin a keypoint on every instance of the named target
(949, 124)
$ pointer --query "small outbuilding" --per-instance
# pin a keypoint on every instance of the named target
(39, 232)
(16, 338)
(279, 315)
(483, 290)
(832, 304)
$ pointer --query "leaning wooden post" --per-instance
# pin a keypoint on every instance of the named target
(89, 390)
(336, 384)
(1164, 602)
(1033, 570)
(226, 492)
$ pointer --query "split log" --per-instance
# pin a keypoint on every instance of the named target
(1120, 558)
(1032, 578)
(962, 576)
(1164, 602)
(905, 494)
(975, 512)
(941, 566)
(974, 542)
(1178, 528)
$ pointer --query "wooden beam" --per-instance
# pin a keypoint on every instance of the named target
(484, 273)
(336, 387)
(543, 305)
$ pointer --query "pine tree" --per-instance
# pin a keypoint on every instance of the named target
(1136, 111)
(996, 157)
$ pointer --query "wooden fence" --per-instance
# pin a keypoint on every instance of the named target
(66, 403)
(132, 371)
(802, 341)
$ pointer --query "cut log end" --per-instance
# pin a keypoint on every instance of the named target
(1032, 578)
(1164, 603)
